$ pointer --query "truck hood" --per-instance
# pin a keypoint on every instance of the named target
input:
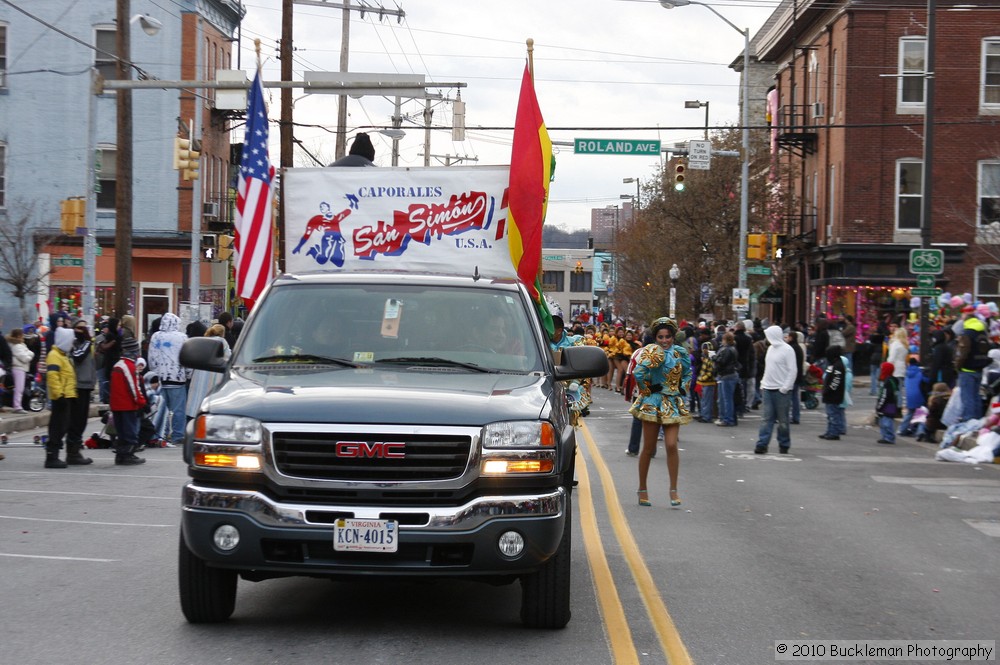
(380, 396)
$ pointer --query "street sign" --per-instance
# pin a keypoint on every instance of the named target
(925, 281)
(758, 270)
(925, 293)
(700, 155)
(616, 147)
(67, 263)
(741, 298)
(927, 261)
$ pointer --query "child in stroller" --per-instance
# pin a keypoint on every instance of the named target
(812, 386)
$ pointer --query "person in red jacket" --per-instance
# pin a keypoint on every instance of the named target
(127, 403)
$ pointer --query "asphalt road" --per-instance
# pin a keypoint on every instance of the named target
(840, 540)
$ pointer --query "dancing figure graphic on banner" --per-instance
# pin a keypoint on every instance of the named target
(331, 244)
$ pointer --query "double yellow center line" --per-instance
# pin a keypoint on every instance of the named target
(620, 635)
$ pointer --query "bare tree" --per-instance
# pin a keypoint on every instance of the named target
(19, 244)
(698, 229)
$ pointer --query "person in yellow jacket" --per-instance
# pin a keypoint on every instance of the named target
(61, 382)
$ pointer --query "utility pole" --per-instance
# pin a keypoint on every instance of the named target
(928, 180)
(345, 51)
(123, 156)
(286, 51)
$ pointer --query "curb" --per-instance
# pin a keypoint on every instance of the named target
(10, 422)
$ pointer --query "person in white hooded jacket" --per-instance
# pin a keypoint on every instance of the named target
(164, 361)
(776, 386)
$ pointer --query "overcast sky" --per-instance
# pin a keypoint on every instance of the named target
(614, 64)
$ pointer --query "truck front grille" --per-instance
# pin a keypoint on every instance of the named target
(332, 456)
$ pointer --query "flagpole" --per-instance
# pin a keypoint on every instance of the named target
(531, 71)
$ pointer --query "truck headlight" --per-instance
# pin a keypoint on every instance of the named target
(519, 434)
(228, 429)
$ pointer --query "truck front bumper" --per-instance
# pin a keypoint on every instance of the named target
(279, 538)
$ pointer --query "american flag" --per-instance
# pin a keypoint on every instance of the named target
(254, 239)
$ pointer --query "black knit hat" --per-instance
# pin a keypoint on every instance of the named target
(362, 146)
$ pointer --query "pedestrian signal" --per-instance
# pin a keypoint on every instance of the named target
(209, 246)
(778, 245)
(679, 170)
(756, 246)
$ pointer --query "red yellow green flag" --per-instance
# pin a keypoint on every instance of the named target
(531, 167)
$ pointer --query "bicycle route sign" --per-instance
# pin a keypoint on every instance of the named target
(926, 261)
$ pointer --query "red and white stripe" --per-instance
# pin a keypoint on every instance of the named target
(254, 237)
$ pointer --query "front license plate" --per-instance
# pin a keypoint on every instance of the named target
(356, 535)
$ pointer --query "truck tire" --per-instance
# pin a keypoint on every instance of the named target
(208, 595)
(545, 594)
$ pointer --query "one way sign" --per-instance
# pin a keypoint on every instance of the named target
(700, 155)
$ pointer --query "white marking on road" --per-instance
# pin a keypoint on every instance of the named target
(969, 495)
(868, 459)
(111, 496)
(989, 527)
(983, 482)
(58, 558)
(42, 519)
(87, 473)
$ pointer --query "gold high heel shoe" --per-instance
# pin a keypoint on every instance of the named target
(642, 501)
(674, 499)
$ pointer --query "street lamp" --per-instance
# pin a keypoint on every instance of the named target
(675, 274)
(697, 105)
(627, 181)
(745, 175)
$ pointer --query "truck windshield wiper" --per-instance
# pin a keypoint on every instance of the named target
(306, 358)
(433, 360)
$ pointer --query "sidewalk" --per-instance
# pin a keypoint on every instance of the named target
(20, 422)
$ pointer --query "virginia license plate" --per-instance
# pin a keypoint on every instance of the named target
(358, 535)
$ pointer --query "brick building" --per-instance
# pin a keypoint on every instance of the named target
(45, 92)
(848, 114)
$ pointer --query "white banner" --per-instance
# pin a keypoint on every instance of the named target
(444, 219)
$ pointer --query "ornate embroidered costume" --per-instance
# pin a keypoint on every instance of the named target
(670, 371)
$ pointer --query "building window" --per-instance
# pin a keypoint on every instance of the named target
(909, 192)
(107, 177)
(834, 83)
(989, 193)
(912, 54)
(3, 56)
(991, 71)
(553, 280)
(987, 283)
(3, 175)
(104, 58)
(581, 282)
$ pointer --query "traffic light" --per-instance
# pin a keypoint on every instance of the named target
(778, 245)
(756, 246)
(181, 149)
(209, 246)
(579, 268)
(186, 159)
(194, 165)
(71, 213)
(225, 247)
(679, 170)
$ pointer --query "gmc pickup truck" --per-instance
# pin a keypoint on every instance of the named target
(383, 424)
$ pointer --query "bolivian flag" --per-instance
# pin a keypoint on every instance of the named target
(531, 166)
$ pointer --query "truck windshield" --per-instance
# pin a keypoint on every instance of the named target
(393, 326)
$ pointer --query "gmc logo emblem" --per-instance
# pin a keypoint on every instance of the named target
(376, 449)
